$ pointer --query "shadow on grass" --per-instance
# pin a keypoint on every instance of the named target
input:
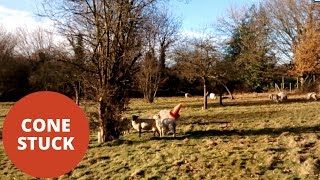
(214, 132)
(253, 132)
(117, 142)
(227, 117)
(201, 122)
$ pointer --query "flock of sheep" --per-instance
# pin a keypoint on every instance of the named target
(156, 125)
(162, 123)
(281, 96)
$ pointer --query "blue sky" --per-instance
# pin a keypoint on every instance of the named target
(200, 13)
(195, 15)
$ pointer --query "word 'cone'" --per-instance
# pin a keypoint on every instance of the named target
(175, 112)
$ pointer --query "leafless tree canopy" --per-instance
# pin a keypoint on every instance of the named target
(160, 33)
(112, 44)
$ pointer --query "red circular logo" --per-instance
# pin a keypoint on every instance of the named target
(45, 134)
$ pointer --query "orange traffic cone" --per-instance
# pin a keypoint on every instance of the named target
(175, 112)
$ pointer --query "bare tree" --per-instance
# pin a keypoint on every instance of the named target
(76, 77)
(290, 24)
(168, 27)
(34, 41)
(14, 71)
(160, 32)
(8, 43)
(288, 19)
(197, 59)
(149, 76)
(113, 43)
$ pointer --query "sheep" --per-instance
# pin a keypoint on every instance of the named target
(165, 125)
(212, 96)
(187, 95)
(274, 97)
(124, 125)
(146, 124)
(282, 96)
(312, 96)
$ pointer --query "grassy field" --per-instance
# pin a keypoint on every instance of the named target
(248, 138)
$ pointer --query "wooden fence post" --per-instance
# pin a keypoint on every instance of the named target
(290, 88)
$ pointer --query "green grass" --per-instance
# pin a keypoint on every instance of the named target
(250, 137)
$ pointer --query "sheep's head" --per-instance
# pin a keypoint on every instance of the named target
(156, 117)
(135, 117)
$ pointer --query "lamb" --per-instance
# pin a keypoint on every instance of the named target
(166, 120)
(124, 125)
(282, 96)
(165, 125)
(274, 97)
(187, 95)
(312, 95)
(146, 124)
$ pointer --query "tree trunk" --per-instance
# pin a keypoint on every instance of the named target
(205, 97)
(302, 83)
(102, 134)
(77, 98)
(220, 98)
(108, 129)
(162, 60)
(76, 91)
(228, 91)
(149, 97)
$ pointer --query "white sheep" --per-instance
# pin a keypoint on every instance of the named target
(212, 96)
(282, 96)
(312, 95)
(274, 97)
(187, 95)
(165, 124)
(147, 124)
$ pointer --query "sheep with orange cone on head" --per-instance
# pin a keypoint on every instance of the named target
(166, 120)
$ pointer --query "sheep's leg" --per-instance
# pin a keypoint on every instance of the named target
(174, 131)
(139, 129)
(161, 132)
(156, 132)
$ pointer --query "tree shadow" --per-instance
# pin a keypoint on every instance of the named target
(208, 123)
(169, 137)
(214, 132)
(201, 122)
(222, 118)
(116, 142)
(253, 132)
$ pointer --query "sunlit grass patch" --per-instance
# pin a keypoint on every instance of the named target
(249, 137)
